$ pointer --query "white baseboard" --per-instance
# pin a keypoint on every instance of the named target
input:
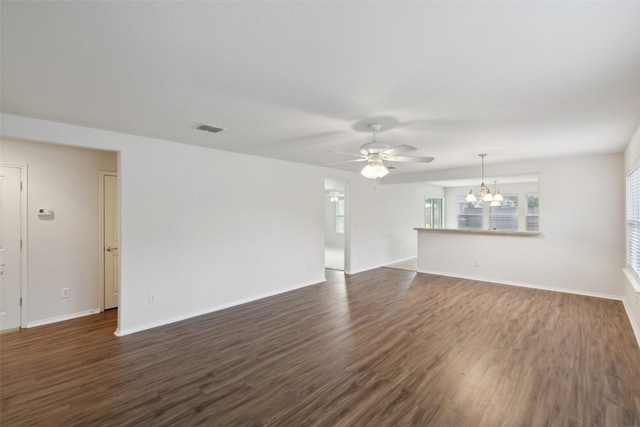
(122, 332)
(361, 270)
(529, 285)
(373, 267)
(632, 320)
(402, 260)
(632, 279)
(62, 318)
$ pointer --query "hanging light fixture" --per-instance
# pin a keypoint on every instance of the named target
(334, 196)
(496, 193)
(484, 192)
(375, 169)
(497, 197)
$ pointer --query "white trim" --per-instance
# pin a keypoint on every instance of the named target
(24, 237)
(347, 226)
(401, 260)
(631, 277)
(347, 222)
(529, 285)
(121, 332)
(101, 175)
(63, 317)
(373, 267)
(632, 320)
(362, 270)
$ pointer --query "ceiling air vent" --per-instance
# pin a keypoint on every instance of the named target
(209, 128)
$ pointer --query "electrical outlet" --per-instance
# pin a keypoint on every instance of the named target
(477, 263)
(66, 293)
(153, 298)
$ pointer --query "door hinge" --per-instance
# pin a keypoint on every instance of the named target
(20, 244)
(20, 301)
(20, 185)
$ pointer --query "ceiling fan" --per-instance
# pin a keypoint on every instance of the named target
(376, 153)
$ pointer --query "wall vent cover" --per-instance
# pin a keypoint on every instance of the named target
(209, 128)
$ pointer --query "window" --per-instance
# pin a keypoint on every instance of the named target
(533, 218)
(505, 216)
(433, 213)
(470, 214)
(340, 216)
(633, 220)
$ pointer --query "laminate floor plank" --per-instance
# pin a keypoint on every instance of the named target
(386, 347)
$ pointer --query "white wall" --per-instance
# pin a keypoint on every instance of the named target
(632, 290)
(384, 218)
(582, 244)
(204, 229)
(63, 250)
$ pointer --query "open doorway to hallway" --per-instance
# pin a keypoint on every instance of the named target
(335, 224)
(62, 184)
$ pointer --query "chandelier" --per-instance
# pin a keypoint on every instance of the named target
(484, 192)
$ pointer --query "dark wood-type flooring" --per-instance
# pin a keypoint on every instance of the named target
(382, 348)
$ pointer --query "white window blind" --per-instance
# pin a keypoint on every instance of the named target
(633, 220)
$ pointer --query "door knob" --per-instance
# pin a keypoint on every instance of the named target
(109, 249)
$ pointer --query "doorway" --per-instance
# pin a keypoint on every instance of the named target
(11, 263)
(336, 230)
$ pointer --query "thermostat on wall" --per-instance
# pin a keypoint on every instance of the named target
(45, 212)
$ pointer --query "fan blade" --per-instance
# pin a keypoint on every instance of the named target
(410, 159)
(346, 161)
(399, 149)
(347, 154)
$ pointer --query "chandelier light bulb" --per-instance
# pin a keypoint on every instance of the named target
(471, 197)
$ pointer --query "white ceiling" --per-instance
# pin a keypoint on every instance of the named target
(294, 80)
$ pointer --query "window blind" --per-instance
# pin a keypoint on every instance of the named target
(633, 220)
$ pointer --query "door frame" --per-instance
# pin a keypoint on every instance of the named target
(347, 227)
(101, 176)
(347, 221)
(24, 251)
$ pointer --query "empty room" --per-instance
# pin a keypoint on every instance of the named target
(320, 213)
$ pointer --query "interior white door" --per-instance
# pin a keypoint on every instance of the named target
(111, 244)
(9, 248)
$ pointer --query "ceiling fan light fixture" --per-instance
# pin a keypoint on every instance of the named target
(375, 169)
(374, 153)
